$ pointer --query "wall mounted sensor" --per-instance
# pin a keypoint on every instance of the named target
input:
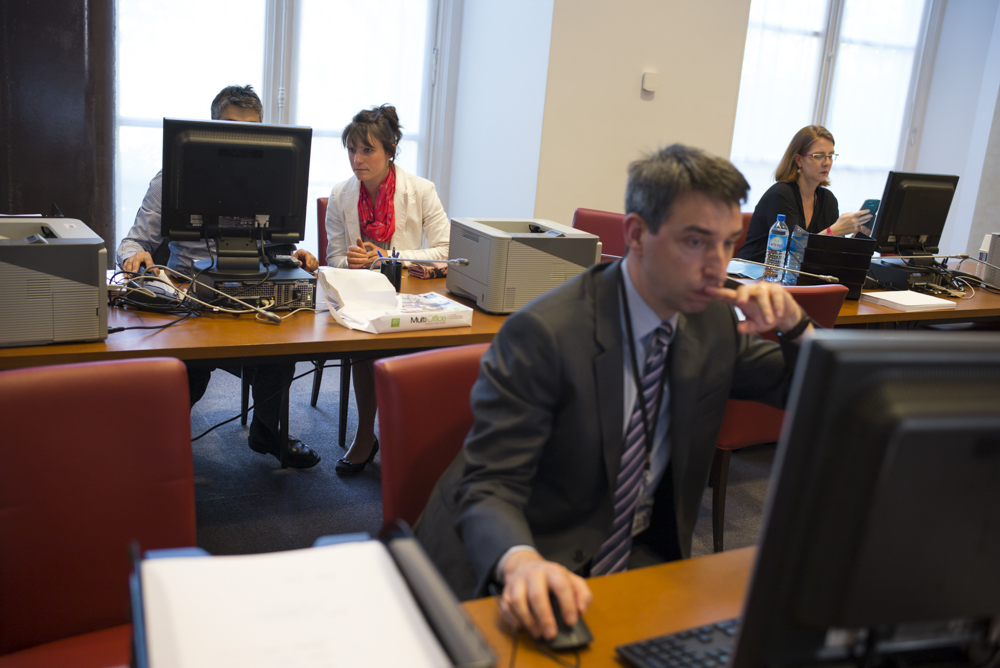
(650, 81)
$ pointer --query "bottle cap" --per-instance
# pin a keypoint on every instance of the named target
(781, 216)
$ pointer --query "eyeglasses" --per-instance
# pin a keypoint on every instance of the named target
(820, 157)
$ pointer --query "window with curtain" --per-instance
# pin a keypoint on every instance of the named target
(843, 64)
(312, 62)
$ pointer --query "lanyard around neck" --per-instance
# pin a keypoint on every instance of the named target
(648, 427)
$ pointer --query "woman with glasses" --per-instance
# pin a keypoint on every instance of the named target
(800, 194)
(380, 209)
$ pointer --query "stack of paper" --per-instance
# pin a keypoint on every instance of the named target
(907, 300)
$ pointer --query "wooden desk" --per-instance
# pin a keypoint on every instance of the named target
(241, 339)
(853, 312)
(636, 605)
(983, 305)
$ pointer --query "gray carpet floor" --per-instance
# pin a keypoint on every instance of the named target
(247, 504)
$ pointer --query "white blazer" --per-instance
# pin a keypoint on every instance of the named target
(422, 233)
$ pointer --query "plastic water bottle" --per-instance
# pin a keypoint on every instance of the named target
(796, 249)
(777, 246)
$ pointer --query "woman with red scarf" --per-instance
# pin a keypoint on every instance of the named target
(382, 208)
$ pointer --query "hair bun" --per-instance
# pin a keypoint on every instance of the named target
(381, 123)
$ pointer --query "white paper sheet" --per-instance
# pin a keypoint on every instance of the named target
(339, 605)
(356, 298)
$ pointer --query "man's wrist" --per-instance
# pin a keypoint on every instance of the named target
(505, 559)
(797, 331)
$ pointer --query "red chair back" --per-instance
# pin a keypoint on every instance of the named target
(743, 237)
(607, 226)
(751, 423)
(423, 419)
(87, 469)
(321, 203)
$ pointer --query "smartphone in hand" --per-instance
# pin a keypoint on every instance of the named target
(869, 227)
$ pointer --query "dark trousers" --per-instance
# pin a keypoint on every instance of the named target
(266, 381)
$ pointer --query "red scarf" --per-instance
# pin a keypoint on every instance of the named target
(379, 223)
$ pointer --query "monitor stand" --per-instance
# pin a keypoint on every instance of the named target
(242, 271)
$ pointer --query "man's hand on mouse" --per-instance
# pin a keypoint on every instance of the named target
(306, 260)
(361, 255)
(134, 263)
(528, 578)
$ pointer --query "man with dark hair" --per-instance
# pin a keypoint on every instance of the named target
(566, 473)
(233, 103)
(242, 97)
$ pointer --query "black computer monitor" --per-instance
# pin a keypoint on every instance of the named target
(237, 183)
(912, 213)
(882, 534)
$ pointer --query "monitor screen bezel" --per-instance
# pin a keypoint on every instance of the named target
(287, 226)
(889, 225)
(779, 628)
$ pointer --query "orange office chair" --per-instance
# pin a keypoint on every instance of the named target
(423, 419)
(345, 368)
(345, 365)
(607, 226)
(323, 242)
(749, 423)
(746, 226)
(111, 472)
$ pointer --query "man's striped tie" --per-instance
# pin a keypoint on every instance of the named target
(612, 557)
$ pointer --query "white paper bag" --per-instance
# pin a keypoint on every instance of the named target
(366, 301)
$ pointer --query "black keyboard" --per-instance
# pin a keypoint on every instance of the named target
(704, 647)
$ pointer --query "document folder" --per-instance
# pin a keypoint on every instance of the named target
(452, 640)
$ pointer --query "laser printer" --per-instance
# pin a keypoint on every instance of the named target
(53, 282)
(512, 261)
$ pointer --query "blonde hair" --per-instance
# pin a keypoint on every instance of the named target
(787, 170)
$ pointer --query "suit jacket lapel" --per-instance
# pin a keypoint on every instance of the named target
(401, 199)
(608, 368)
(351, 223)
(684, 361)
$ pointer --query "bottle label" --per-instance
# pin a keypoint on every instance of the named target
(776, 242)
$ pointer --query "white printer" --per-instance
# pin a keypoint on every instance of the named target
(53, 282)
(513, 261)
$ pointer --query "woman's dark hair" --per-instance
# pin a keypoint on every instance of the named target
(787, 170)
(378, 123)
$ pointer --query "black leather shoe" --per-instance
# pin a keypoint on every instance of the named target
(346, 467)
(300, 455)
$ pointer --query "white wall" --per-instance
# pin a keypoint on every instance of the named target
(498, 108)
(961, 112)
(549, 111)
(597, 120)
(986, 216)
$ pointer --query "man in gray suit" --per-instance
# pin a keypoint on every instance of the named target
(565, 473)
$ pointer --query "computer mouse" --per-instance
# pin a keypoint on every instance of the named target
(568, 637)
(153, 292)
(286, 261)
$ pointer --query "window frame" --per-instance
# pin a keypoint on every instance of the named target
(280, 78)
(920, 75)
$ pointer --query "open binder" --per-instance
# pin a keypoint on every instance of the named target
(229, 610)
